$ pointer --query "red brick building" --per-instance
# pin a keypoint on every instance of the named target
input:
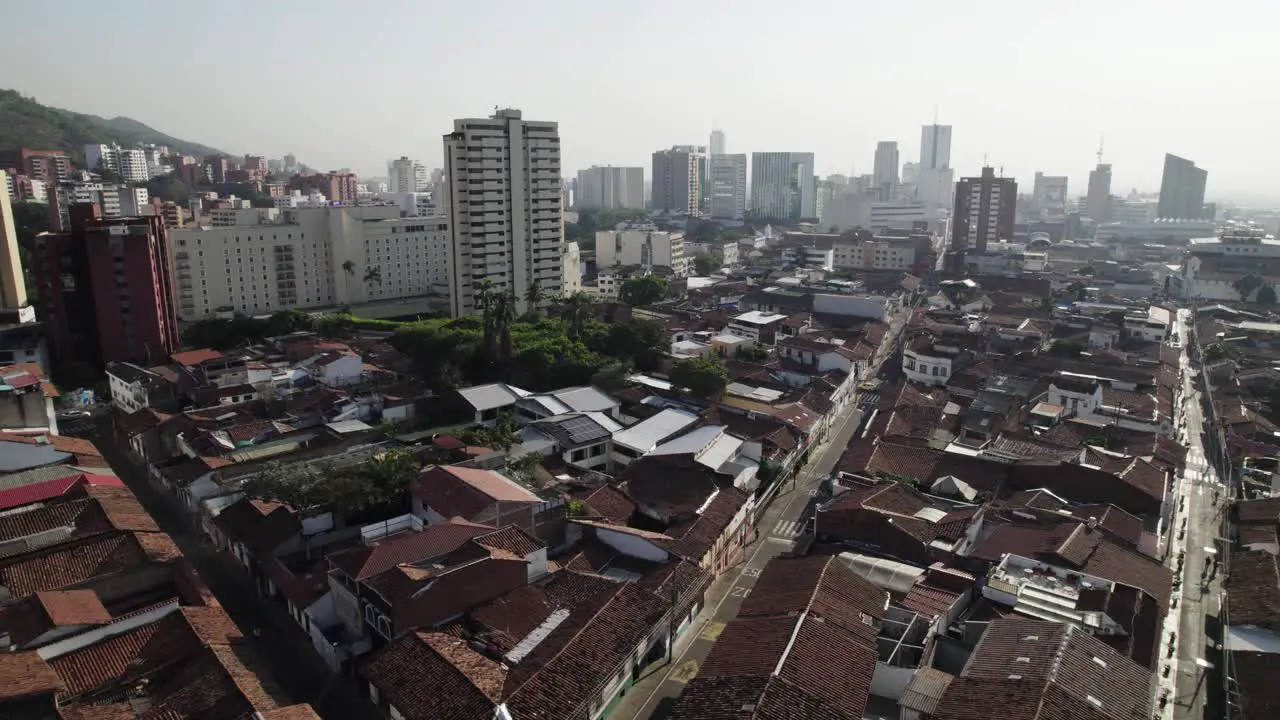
(51, 166)
(104, 291)
(335, 186)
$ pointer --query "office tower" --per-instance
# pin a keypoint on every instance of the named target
(506, 227)
(728, 187)
(935, 147)
(610, 188)
(679, 177)
(984, 212)
(104, 290)
(783, 186)
(717, 142)
(885, 172)
(1098, 201)
(910, 173)
(1181, 189)
(402, 175)
(1049, 194)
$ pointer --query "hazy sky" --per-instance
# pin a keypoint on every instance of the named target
(1031, 85)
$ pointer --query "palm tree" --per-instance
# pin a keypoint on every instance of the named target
(373, 274)
(534, 295)
(350, 268)
(484, 300)
(575, 310)
(504, 314)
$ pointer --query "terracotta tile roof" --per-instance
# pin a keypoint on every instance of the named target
(432, 542)
(83, 517)
(433, 675)
(52, 489)
(262, 527)
(122, 509)
(565, 684)
(192, 358)
(1046, 671)
(73, 607)
(817, 583)
(70, 564)
(302, 589)
(610, 503)
(25, 675)
(510, 618)
(928, 600)
(676, 484)
(1253, 589)
(455, 491)
(292, 712)
(693, 540)
(512, 539)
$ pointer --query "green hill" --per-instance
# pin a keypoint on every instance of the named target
(26, 123)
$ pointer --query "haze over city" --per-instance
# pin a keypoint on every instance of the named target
(1026, 86)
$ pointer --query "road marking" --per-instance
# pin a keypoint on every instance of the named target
(684, 672)
(741, 591)
(712, 631)
(752, 572)
(788, 529)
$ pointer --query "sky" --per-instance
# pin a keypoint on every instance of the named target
(1027, 85)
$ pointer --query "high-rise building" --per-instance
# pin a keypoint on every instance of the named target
(339, 187)
(130, 164)
(1098, 201)
(783, 186)
(21, 337)
(885, 171)
(48, 166)
(104, 290)
(935, 147)
(985, 211)
(504, 202)
(728, 187)
(910, 173)
(717, 143)
(1049, 194)
(610, 188)
(679, 179)
(1181, 189)
(406, 176)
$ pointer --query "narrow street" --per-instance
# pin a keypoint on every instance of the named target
(282, 644)
(1195, 523)
(776, 532)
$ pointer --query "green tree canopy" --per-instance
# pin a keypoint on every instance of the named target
(638, 292)
(704, 264)
(703, 376)
(1266, 295)
(1246, 285)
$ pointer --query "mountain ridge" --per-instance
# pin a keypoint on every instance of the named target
(25, 123)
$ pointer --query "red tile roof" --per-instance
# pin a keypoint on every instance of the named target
(511, 617)
(72, 563)
(261, 526)
(50, 489)
(73, 607)
(432, 542)
(695, 539)
(25, 675)
(432, 675)
(192, 358)
(1046, 671)
(1253, 589)
(611, 504)
(512, 539)
(455, 491)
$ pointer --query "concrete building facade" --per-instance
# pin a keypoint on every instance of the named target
(783, 186)
(645, 248)
(885, 172)
(985, 211)
(1181, 189)
(728, 187)
(609, 188)
(679, 179)
(504, 201)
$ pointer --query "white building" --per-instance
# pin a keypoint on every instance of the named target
(935, 147)
(232, 217)
(1213, 265)
(885, 173)
(406, 176)
(783, 186)
(896, 215)
(133, 201)
(728, 187)
(319, 257)
(296, 199)
(129, 163)
(928, 361)
(678, 176)
(572, 269)
(504, 197)
(417, 204)
(641, 247)
(610, 188)
(762, 327)
(880, 254)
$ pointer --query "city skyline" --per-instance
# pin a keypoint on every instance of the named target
(756, 102)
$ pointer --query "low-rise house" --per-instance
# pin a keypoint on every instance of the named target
(490, 401)
(26, 400)
(759, 327)
(134, 388)
(645, 436)
(443, 492)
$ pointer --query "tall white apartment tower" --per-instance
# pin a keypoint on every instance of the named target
(407, 176)
(504, 200)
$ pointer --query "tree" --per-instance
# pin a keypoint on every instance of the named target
(502, 436)
(373, 275)
(612, 375)
(575, 310)
(647, 290)
(1246, 285)
(503, 313)
(753, 352)
(1066, 348)
(284, 322)
(524, 468)
(349, 267)
(703, 376)
(301, 487)
(338, 325)
(534, 294)
(1266, 295)
(704, 264)
(386, 476)
(643, 342)
(1087, 271)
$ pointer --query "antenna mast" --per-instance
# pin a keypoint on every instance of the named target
(1100, 139)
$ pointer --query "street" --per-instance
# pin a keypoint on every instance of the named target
(777, 529)
(1195, 523)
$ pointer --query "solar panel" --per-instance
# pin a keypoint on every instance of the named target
(583, 430)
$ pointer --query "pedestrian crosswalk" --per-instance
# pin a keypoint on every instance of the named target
(788, 529)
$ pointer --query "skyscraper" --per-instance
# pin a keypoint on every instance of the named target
(610, 188)
(885, 172)
(782, 186)
(405, 176)
(504, 204)
(1098, 201)
(984, 212)
(1049, 194)
(679, 177)
(728, 187)
(1181, 189)
(717, 142)
(935, 147)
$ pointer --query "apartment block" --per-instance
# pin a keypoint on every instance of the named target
(504, 200)
(783, 186)
(679, 176)
(610, 188)
(339, 187)
(985, 211)
(316, 257)
(728, 187)
(49, 166)
(880, 254)
(646, 248)
(103, 290)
